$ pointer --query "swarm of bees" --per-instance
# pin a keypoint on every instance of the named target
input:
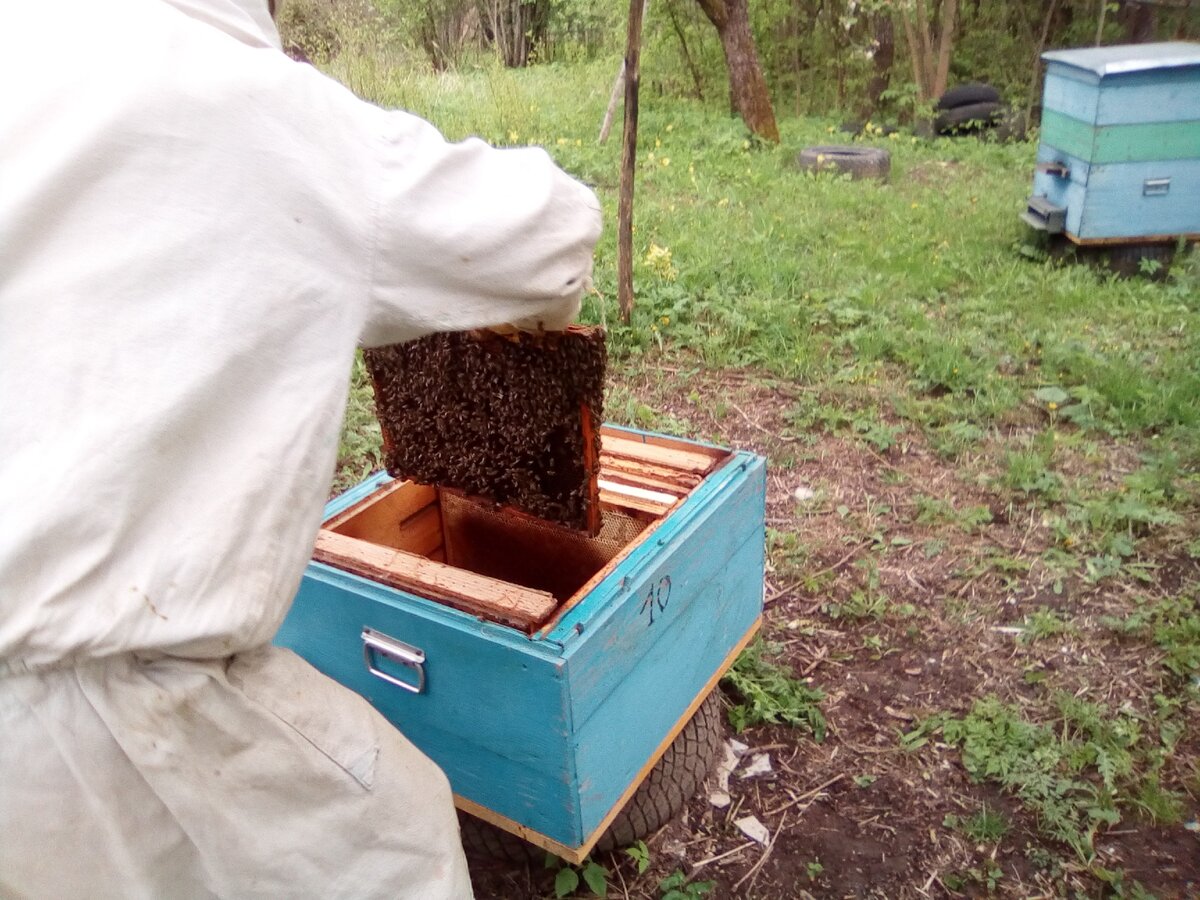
(510, 418)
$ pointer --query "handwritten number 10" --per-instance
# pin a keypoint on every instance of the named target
(657, 595)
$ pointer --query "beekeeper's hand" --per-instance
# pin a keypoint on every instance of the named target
(559, 318)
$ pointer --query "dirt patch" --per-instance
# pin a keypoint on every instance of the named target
(906, 585)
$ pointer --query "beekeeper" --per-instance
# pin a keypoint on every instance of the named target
(195, 234)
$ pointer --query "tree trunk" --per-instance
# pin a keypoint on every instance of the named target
(697, 81)
(1140, 21)
(930, 51)
(633, 52)
(881, 62)
(747, 86)
(946, 29)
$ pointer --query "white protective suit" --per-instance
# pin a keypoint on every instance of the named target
(195, 233)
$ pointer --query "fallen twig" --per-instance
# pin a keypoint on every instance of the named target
(720, 856)
(762, 859)
(832, 781)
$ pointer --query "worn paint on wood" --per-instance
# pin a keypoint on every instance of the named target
(1126, 123)
(1150, 141)
(551, 732)
(1130, 99)
(494, 713)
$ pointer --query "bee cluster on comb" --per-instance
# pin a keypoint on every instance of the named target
(510, 418)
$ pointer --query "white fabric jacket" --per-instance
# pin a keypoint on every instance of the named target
(195, 234)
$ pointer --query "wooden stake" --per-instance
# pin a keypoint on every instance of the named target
(633, 48)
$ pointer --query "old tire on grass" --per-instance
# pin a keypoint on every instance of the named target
(968, 118)
(967, 94)
(674, 780)
(858, 162)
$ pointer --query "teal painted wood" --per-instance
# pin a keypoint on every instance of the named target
(1171, 95)
(1120, 117)
(1165, 96)
(1069, 93)
(494, 713)
(1144, 142)
(1116, 204)
(646, 553)
(531, 727)
(1068, 193)
(1068, 135)
(717, 585)
(688, 553)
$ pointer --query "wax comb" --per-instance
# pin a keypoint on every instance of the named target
(508, 418)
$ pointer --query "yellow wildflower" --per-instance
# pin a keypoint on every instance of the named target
(658, 260)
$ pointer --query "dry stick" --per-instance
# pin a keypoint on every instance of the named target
(841, 562)
(624, 886)
(618, 86)
(633, 49)
(766, 853)
(779, 437)
(813, 793)
(712, 859)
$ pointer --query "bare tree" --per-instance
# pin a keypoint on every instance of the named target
(748, 92)
(929, 26)
(516, 27)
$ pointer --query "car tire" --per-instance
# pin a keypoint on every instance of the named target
(673, 780)
(858, 162)
(968, 94)
(971, 117)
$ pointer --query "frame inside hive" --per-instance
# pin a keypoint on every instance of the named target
(499, 564)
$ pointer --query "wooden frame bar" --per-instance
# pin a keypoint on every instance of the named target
(507, 603)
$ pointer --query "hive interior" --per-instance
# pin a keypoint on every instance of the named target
(509, 418)
(502, 565)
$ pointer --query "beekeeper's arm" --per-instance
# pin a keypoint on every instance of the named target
(470, 235)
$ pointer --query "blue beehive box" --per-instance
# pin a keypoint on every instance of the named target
(1119, 160)
(544, 670)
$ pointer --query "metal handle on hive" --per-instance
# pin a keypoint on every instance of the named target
(397, 651)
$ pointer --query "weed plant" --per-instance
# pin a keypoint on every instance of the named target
(768, 693)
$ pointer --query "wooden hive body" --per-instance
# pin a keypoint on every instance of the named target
(1120, 142)
(547, 702)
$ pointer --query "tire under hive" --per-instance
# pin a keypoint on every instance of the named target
(513, 418)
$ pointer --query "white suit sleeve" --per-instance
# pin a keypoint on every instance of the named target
(470, 236)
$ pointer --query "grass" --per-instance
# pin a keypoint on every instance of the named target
(1056, 408)
(927, 289)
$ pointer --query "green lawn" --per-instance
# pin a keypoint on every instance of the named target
(1025, 436)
